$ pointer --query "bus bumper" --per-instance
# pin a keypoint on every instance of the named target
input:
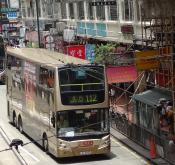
(70, 149)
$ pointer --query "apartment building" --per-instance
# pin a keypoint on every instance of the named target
(109, 20)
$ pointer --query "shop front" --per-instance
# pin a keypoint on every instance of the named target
(152, 112)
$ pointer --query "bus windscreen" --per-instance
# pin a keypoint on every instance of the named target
(82, 85)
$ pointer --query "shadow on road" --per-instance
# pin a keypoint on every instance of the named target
(81, 159)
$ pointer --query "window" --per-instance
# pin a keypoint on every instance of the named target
(71, 10)
(80, 10)
(91, 10)
(100, 11)
(56, 8)
(46, 78)
(127, 6)
(32, 5)
(138, 11)
(23, 8)
(113, 12)
(63, 10)
(49, 8)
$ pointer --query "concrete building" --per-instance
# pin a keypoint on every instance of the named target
(117, 20)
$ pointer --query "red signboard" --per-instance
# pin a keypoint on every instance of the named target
(76, 51)
(121, 74)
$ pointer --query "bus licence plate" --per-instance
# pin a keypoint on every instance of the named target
(86, 153)
(86, 143)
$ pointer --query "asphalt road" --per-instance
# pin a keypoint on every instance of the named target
(33, 154)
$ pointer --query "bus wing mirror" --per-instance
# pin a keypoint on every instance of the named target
(53, 121)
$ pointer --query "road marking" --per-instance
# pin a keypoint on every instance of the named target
(28, 153)
(130, 151)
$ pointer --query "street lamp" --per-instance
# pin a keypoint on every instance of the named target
(37, 19)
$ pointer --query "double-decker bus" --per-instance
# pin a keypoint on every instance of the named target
(59, 99)
(2, 60)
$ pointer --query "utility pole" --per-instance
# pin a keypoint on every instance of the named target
(37, 17)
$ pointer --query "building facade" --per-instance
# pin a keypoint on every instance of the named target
(117, 20)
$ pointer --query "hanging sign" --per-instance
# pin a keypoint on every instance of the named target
(103, 3)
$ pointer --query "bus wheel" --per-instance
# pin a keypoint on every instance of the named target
(20, 126)
(45, 143)
(14, 120)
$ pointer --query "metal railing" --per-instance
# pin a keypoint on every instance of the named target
(165, 148)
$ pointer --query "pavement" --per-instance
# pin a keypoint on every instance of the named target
(7, 154)
(137, 148)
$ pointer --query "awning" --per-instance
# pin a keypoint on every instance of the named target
(121, 74)
(151, 97)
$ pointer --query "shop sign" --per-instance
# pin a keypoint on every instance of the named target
(76, 51)
(12, 15)
(127, 29)
(147, 60)
(90, 52)
(103, 3)
(121, 74)
(6, 10)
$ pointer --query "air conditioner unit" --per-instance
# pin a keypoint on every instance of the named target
(69, 35)
(53, 31)
(60, 26)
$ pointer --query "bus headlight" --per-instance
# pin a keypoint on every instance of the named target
(105, 142)
(63, 145)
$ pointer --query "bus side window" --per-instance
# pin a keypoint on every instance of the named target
(46, 78)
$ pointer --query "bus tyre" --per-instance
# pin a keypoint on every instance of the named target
(20, 126)
(45, 143)
(14, 120)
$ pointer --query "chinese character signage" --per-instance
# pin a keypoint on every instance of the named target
(76, 51)
(146, 60)
(90, 52)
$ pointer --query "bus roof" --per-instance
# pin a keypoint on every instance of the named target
(44, 56)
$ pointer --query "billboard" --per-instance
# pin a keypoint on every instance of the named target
(147, 60)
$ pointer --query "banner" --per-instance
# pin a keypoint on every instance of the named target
(90, 52)
(121, 74)
(76, 51)
(146, 60)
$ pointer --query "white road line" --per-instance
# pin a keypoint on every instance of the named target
(130, 151)
(28, 153)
